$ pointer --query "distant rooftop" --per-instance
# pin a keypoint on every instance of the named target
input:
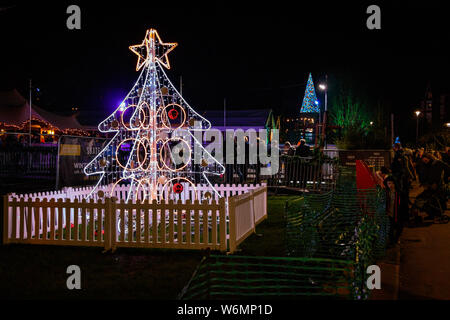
(15, 110)
(251, 118)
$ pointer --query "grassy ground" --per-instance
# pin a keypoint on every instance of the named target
(39, 272)
(269, 237)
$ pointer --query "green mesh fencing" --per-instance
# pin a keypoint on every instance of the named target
(382, 223)
(348, 224)
(346, 177)
(325, 224)
(299, 214)
(294, 225)
(238, 277)
(331, 239)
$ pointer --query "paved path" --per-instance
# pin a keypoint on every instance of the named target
(425, 261)
(390, 269)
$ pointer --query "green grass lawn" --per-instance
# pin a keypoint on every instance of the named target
(39, 272)
(269, 237)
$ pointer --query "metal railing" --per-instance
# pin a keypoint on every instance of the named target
(28, 162)
(308, 173)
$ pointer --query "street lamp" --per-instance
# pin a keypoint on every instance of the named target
(323, 87)
(417, 125)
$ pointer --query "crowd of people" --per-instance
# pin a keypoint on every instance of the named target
(431, 170)
(301, 149)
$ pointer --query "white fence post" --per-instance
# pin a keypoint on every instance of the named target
(222, 225)
(108, 226)
(232, 227)
(6, 219)
(260, 204)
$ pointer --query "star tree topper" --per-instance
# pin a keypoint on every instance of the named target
(153, 49)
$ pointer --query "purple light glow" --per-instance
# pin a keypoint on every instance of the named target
(113, 99)
(125, 147)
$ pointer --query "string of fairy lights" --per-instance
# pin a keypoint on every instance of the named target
(147, 151)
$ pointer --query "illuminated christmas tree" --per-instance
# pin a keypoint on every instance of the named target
(310, 103)
(154, 144)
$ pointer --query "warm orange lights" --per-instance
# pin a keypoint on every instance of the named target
(155, 50)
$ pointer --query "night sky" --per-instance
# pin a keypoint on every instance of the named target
(256, 55)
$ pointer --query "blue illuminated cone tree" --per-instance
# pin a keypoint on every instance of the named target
(310, 103)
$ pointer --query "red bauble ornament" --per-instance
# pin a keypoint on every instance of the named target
(177, 188)
(173, 114)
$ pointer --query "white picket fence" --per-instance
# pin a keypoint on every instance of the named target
(66, 218)
(121, 192)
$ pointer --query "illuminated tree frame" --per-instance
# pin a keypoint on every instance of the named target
(146, 139)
